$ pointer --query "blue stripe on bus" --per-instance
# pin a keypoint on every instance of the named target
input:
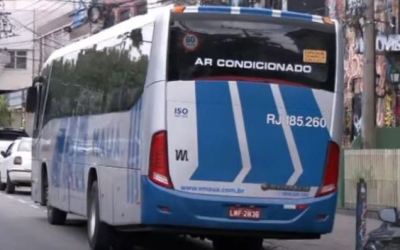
(134, 148)
(130, 160)
(269, 153)
(257, 11)
(79, 161)
(214, 9)
(136, 180)
(56, 162)
(295, 15)
(311, 140)
(218, 146)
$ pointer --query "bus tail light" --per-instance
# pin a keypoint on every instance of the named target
(331, 170)
(159, 169)
(18, 160)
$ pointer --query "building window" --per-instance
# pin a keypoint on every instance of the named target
(124, 15)
(17, 60)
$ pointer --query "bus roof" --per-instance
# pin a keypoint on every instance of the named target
(149, 17)
(105, 34)
(256, 11)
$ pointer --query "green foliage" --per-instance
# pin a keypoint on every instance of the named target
(5, 114)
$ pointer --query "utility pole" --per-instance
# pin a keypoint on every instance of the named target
(33, 43)
(284, 4)
(368, 94)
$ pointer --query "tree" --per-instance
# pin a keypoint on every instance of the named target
(5, 114)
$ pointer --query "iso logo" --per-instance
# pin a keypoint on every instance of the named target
(190, 42)
(181, 112)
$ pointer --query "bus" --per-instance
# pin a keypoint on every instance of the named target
(218, 122)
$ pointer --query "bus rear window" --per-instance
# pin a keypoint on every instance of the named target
(202, 47)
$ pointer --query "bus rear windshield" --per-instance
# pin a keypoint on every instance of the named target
(203, 47)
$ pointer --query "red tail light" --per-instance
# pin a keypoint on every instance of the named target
(159, 170)
(331, 170)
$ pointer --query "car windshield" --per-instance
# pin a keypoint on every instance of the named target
(11, 135)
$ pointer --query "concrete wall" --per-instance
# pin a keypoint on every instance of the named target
(17, 78)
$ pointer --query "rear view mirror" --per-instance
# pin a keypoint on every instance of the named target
(31, 99)
(388, 215)
(3, 154)
(32, 96)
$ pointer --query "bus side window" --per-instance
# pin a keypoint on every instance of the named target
(126, 83)
(108, 77)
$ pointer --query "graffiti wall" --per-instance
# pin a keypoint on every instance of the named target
(387, 65)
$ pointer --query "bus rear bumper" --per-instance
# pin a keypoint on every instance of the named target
(171, 209)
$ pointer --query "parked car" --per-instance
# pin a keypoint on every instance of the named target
(16, 165)
(8, 135)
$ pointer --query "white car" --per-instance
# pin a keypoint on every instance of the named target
(16, 165)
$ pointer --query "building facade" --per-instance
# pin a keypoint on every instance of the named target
(19, 53)
(387, 61)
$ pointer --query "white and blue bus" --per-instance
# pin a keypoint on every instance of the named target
(219, 122)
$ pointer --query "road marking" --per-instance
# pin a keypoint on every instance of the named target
(28, 203)
(22, 201)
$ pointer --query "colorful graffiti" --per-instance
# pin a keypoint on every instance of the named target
(387, 92)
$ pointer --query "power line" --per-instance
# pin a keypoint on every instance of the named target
(71, 1)
(34, 32)
(28, 41)
(31, 5)
(19, 42)
(46, 12)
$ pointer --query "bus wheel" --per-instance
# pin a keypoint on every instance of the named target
(10, 187)
(55, 216)
(2, 185)
(99, 233)
(242, 243)
(44, 189)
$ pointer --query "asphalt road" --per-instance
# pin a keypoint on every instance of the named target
(23, 226)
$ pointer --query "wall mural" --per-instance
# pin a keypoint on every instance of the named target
(387, 62)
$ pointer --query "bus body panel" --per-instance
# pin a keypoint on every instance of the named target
(158, 62)
(172, 208)
(105, 143)
(338, 104)
(231, 138)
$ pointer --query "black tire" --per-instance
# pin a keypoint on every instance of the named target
(239, 243)
(100, 235)
(10, 187)
(2, 185)
(56, 216)
(44, 189)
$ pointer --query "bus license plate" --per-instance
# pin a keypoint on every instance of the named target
(245, 213)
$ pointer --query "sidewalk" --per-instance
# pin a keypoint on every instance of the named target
(342, 237)
(371, 214)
